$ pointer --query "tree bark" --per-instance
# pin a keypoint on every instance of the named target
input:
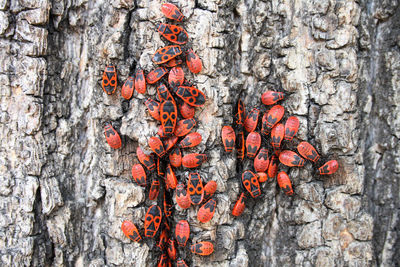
(64, 192)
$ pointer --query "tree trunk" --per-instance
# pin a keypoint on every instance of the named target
(64, 191)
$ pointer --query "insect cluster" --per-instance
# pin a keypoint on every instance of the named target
(259, 148)
(175, 111)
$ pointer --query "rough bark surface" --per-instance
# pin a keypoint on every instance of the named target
(64, 192)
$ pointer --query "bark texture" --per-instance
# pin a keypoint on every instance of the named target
(64, 192)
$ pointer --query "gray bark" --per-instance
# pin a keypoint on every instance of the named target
(64, 192)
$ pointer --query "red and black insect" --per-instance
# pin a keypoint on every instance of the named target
(167, 53)
(253, 143)
(240, 114)
(130, 230)
(206, 212)
(171, 249)
(109, 82)
(251, 121)
(291, 159)
(138, 174)
(172, 12)
(175, 157)
(228, 138)
(190, 140)
(170, 142)
(261, 161)
(193, 61)
(170, 177)
(308, 151)
(191, 95)
(168, 114)
(239, 206)
(146, 160)
(183, 127)
(157, 146)
(163, 239)
(176, 77)
(173, 33)
(181, 263)
(195, 188)
(140, 82)
(240, 145)
(164, 94)
(112, 136)
(203, 248)
(209, 190)
(193, 160)
(182, 232)
(271, 118)
(186, 110)
(168, 208)
(271, 97)
(154, 189)
(262, 177)
(284, 183)
(156, 74)
(250, 182)
(152, 221)
(273, 167)
(164, 261)
(153, 108)
(291, 127)
(277, 134)
(329, 168)
(182, 197)
(161, 168)
(173, 62)
(127, 88)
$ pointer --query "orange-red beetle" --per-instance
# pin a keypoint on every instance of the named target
(308, 151)
(329, 168)
(195, 188)
(130, 230)
(153, 108)
(251, 121)
(167, 206)
(127, 88)
(176, 77)
(261, 161)
(228, 138)
(146, 160)
(172, 63)
(154, 189)
(167, 53)
(193, 61)
(172, 12)
(183, 127)
(138, 174)
(240, 113)
(277, 134)
(163, 93)
(157, 146)
(112, 136)
(206, 212)
(170, 142)
(291, 159)
(140, 82)
(250, 182)
(284, 183)
(271, 97)
(190, 140)
(171, 249)
(156, 74)
(168, 114)
(170, 177)
(239, 206)
(109, 82)
(253, 143)
(182, 232)
(203, 248)
(182, 197)
(291, 127)
(271, 118)
(152, 221)
(186, 110)
(273, 167)
(262, 177)
(173, 33)
(209, 189)
(193, 160)
(191, 95)
(175, 157)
